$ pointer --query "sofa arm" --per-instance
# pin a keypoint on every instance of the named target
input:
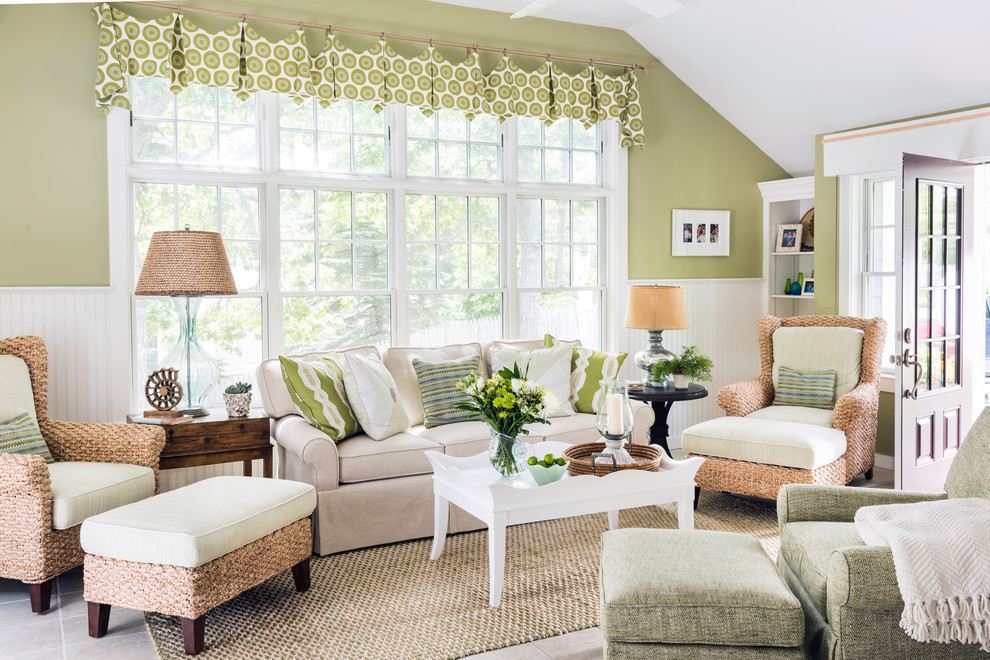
(643, 418)
(797, 502)
(310, 455)
(740, 399)
(861, 577)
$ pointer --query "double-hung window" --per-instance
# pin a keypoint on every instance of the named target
(345, 226)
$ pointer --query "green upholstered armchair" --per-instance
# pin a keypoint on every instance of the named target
(848, 589)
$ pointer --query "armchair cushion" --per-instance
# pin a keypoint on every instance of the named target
(806, 547)
(16, 395)
(81, 490)
(811, 349)
(768, 441)
(21, 435)
(803, 414)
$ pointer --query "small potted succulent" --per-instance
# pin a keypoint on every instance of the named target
(237, 398)
(689, 365)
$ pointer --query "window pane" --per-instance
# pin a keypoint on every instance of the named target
(296, 150)
(370, 216)
(298, 266)
(585, 265)
(530, 131)
(343, 138)
(198, 207)
(557, 165)
(484, 128)
(435, 320)
(584, 138)
(296, 214)
(335, 214)
(530, 220)
(572, 314)
(584, 222)
(421, 159)
(585, 167)
(530, 260)
(419, 125)
(421, 217)
(150, 97)
(453, 218)
(239, 209)
(453, 159)
(198, 144)
(291, 115)
(331, 323)
(557, 134)
(154, 208)
(484, 161)
(529, 164)
(335, 266)
(445, 146)
(452, 125)
(197, 103)
(235, 111)
(334, 152)
(244, 264)
(556, 265)
(452, 269)
(371, 265)
(484, 266)
(484, 219)
(564, 152)
(421, 266)
(154, 141)
(369, 154)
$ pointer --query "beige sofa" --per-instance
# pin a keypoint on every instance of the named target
(372, 492)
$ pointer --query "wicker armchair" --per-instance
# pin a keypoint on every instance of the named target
(855, 414)
(30, 549)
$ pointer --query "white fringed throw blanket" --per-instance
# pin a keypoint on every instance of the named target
(941, 555)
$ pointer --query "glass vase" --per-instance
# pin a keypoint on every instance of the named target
(507, 454)
(614, 421)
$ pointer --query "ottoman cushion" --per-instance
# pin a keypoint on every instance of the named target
(694, 587)
(198, 523)
(81, 490)
(766, 441)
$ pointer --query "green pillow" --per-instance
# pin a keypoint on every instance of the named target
(317, 389)
(813, 390)
(588, 368)
(21, 435)
(438, 387)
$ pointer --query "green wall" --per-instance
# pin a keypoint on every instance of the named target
(54, 171)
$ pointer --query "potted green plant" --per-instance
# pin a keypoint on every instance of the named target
(689, 365)
(237, 398)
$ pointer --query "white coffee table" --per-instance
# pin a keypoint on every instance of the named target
(472, 484)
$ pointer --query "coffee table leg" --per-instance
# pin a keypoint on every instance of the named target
(496, 560)
(685, 510)
(441, 510)
(613, 520)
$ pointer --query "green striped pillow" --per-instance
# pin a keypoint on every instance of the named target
(588, 368)
(317, 389)
(21, 435)
(438, 387)
(813, 390)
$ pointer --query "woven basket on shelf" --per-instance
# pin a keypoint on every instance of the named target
(647, 458)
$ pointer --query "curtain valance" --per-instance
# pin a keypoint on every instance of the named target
(240, 59)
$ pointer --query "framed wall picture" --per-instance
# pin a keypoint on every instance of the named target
(788, 238)
(699, 233)
(809, 287)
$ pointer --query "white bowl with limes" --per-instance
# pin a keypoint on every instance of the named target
(548, 469)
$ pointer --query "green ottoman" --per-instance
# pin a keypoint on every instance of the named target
(694, 594)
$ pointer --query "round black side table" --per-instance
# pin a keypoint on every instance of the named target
(662, 398)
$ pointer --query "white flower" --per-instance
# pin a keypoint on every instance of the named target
(518, 385)
(550, 402)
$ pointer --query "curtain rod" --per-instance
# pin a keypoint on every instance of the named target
(384, 35)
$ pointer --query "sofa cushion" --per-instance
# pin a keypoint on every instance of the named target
(820, 348)
(806, 546)
(317, 389)
(460, 439)
(81, 490)
(374, 397)
(440, 391)
(588, 368)
(399, 362)
(548, 367)
(21, 435)
(712, 588)
(572, 430)
(811, 390)
(193, 525)
(766, 441)
(399, 455)
(816, 416)
(275, 395)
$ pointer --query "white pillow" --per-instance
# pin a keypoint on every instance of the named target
(549, 367)
(374, 397)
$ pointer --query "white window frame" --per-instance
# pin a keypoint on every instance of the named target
(611, 192)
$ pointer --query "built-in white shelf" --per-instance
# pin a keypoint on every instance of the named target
(793, 254)
(784, 203)
(809, 296)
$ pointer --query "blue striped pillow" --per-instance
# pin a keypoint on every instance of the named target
(20, 435)
(813, 390)
(438, 387)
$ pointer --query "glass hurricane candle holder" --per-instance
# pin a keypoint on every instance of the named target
(615, 421)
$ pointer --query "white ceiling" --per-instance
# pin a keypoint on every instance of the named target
(783, 71)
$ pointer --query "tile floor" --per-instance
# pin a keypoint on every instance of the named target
(62, 632)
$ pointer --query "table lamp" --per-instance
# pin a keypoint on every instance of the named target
(655, 309)
(187, 265)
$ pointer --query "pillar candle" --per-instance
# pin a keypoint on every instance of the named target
(613, 407)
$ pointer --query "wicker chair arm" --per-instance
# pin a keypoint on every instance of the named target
(861, 577)
(740, 399)
(137, 444)
(861, 402)
(26, 493)
(816, 502)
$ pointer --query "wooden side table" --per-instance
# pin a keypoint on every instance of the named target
(216, 439)
(662, 398)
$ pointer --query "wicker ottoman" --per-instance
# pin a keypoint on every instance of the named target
(186, 551)
(694, 594)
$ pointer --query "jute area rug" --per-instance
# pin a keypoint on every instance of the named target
(393, 602)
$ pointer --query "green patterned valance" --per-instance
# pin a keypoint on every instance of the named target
(242, 60)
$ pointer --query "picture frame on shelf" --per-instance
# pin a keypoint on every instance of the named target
(788, 238)
(809, 287)
(699, 233)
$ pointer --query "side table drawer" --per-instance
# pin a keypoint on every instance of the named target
(197, 439)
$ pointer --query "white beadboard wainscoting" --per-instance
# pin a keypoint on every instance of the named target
(722, 315)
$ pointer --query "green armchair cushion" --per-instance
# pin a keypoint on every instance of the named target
(806, 547)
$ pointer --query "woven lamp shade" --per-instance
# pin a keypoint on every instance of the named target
(656, 308)
(186, 263)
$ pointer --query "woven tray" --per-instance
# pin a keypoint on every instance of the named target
(647, 458)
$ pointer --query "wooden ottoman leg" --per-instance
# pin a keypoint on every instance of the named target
(193, 634)
(300, 574)
(99, 618)
(41, 596)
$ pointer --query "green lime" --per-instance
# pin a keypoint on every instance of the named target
(561, 461)
(548, 458)
(532, 460)
(545, 464)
